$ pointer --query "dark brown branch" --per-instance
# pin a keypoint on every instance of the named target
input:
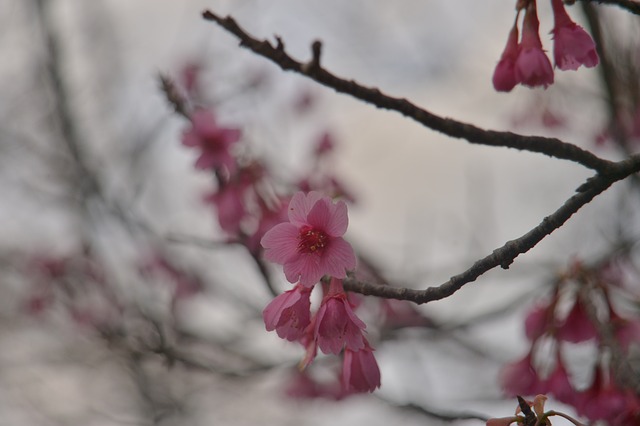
(506, 254)
(549, 146)
(629, 5)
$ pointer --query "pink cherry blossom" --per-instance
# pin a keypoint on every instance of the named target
(310, 245)
(360, 371)
(577, 327)
(289, 313)
(520, 378)
(602, 400)
(558, 384)
(229, 202)
(336, 323)
(572, 45)
(213, 141)
(532, 67)
(537, 322)
(504, 76)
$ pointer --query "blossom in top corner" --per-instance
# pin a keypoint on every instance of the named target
(573, 46)
(532, 67)
(504, 76)
(310, 244)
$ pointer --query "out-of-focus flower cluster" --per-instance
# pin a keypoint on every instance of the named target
(525, 62)
(585, 308)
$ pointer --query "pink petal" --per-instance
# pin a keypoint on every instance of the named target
(305, 268)
(320, 214)
(281, 243)
(338, 221)
(300, 206)
(338, 257)
(271, 314)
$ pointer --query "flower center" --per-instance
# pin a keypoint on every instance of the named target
(311, 240)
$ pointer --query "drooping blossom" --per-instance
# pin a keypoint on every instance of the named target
(360, 371)
(532, 67)
(520, 378)
(504, 76)
(310, 245)
(229, 201)
(289, 313)
(572, 45)
(213, 141)
(558, 383)
(337, 325)
(537, 322)
(602, 400)
(577, 327)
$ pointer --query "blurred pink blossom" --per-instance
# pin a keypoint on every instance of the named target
(213, 141)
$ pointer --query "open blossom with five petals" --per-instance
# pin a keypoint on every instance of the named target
(336, 323)
(213, 141)
(532, 67)
(289, 313)
(572, 45)
(310, 245)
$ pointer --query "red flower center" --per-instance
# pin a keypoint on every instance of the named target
(311, 240)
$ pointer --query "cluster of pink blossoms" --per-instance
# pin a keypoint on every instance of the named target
(310, 246)
(303, 233)
(525, 62)
(590, 292)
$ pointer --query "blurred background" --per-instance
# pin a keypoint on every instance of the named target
(122, 302)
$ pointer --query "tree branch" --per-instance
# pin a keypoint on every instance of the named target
(505, 255)
(629, 5)
(549, 146)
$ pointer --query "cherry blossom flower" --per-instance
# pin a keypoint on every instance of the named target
(213, 141)
(360, 371)
(310, 245)
(520, 378)
(229, 202)
(336, 323)
(532, 67)
(536, 322)
(504, 76)
(572, 45)
(577, 327)
(602, 400)
(559, 385)
(289, 313)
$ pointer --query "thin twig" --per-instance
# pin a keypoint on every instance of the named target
(549, 146)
